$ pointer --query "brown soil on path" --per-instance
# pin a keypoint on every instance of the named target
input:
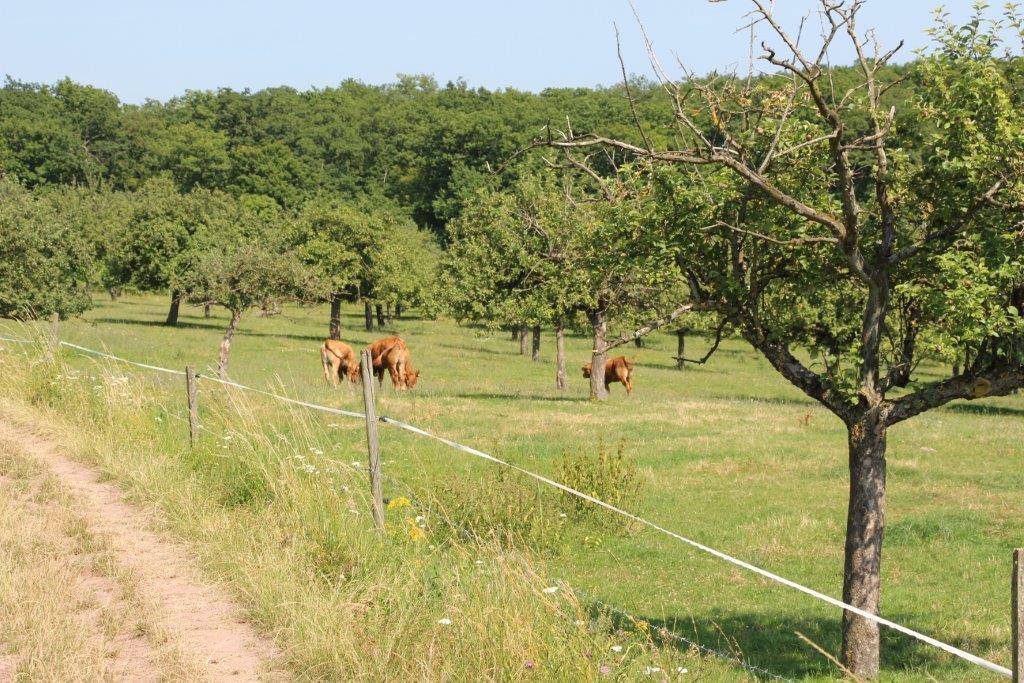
(202, 618)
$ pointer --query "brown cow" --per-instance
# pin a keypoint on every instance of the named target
(392, 354)
(398, 364)
(618, 369)
(339, 362)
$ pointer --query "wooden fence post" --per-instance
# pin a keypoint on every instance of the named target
(1017, 616)
(54, 334)
(193, 408)
(372, 444)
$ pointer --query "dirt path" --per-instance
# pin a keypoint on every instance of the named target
(205, 622)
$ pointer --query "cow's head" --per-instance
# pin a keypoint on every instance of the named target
(411, 377)
(586, 370)
(354, 372)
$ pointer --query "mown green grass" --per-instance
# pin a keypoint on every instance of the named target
(732, 456)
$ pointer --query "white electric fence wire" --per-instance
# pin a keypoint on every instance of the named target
(279, 397)
(110, 356)
(955, 651)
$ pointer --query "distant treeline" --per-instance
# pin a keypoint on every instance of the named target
(422, 145)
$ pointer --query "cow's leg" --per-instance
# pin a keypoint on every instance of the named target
(622, 375)
(330, 371)
(396, 378)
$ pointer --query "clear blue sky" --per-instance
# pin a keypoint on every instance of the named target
(159, 48)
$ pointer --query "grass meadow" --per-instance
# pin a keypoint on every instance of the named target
(726, 453)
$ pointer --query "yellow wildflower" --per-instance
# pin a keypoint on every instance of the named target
(400, 502)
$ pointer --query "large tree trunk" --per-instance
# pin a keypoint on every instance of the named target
(524, 341)
(536, 343)
(865, 523)
(114, 293)
(207, 310)
(599, 355)
(560, 356)
(516, 331)
(380, 316)
(172, 314)
(368, 316)
(334, 328)
(225, 344)
(680, 349)
(398, 310)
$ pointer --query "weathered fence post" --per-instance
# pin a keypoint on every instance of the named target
(54, 334)
(1017, 616)
(372, 444)
(193, 408)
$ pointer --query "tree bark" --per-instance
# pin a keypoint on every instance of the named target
(638, 342)
(524, 341)
(368, 316)
(387, 312)
(398, 309)
(560, 356)
(380, 316)
(599, 355)
(680, 349)
(207, 308)
(516, 331)
(334, 328)
(225, 344)
(536, 343)
(172, 314)
(865, 523)
(114, 293)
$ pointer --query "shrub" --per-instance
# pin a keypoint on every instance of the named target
(609, 476)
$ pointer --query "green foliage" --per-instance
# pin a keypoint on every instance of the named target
(239, 261)
(46, 262)
(957, 287)
(610, 476)
(549, 249)
(364, 250)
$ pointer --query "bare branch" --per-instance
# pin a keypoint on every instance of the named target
(967, 386)
(629, 93)
(653, 325)
(793, 241)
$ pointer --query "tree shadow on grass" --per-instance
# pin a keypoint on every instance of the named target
(981, 409)
(771, 643)
(519, 397)
(475, 349)
(212, 326)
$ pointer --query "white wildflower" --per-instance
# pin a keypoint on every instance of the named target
(445, 621)
(682, 670)
(651, 670)
(550, 589)
(315, 451)
(616, 648)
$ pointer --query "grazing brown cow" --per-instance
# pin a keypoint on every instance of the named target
(398, 364)
(392, 354)
(618, 369)
(339, 362)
